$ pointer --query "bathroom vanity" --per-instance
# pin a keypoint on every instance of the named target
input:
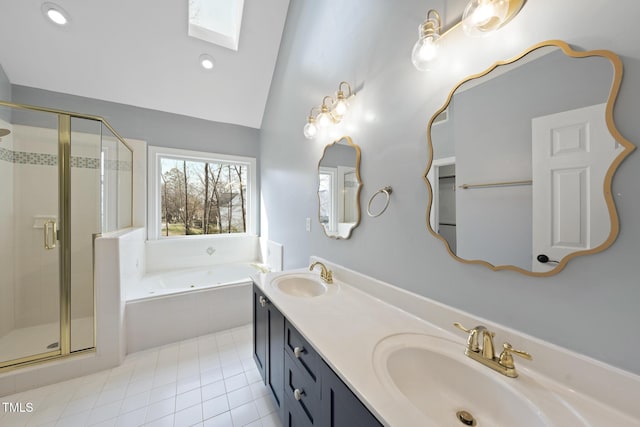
(305, 389)
(360, 352)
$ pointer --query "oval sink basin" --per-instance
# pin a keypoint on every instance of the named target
(449, 389)
(300, 285)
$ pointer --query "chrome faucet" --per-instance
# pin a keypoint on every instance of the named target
(486, 355)
(325, 274)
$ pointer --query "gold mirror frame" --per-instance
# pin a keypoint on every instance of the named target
(628, 147)
(357, 170)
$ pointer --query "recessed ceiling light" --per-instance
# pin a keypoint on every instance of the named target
(55, 13)
(207, 62)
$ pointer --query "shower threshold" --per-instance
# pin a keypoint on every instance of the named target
(31, 340)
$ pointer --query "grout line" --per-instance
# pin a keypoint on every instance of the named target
(230, 349)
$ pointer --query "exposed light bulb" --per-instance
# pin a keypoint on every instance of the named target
(310, 130)
(323, 119)
(481, 17)
(341, 107)
(424, 51)
(426, 48)
(483, 14)
(342, 103)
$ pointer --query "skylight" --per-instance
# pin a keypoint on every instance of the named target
(216, 21)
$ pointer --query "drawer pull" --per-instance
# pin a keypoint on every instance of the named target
(263, 301)
(297, 351)
(297, 394)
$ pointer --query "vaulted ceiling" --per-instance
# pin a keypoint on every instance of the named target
(138, 52)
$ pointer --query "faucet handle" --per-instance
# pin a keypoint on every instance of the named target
(472, 341)
(462, 328)
(506, 357)
(328, 277)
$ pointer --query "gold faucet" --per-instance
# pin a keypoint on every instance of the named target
(486, 355)
(325, 274)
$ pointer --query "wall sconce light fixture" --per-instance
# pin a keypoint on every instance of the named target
(426, 48)
(342, 102)
(310, 129)
(331, 111)
(480, 18)
(325, 118)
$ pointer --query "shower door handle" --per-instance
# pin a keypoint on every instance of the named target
(50, 234)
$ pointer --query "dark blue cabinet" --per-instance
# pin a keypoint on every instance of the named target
(260, 333)
(307, 391)
(339, 407)
(268, 345)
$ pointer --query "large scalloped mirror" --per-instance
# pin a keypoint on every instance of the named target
(522, 159)
(339, 188)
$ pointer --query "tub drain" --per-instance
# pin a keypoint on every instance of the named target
(466, 418)
(52, 345)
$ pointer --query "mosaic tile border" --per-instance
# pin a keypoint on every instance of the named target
(6, 155)
(42, 159)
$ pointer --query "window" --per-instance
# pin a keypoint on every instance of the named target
(216, 21)
(195, 193)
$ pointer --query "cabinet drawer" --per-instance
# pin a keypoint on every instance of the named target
(301, 353)
(302, 393)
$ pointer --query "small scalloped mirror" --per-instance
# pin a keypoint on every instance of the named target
(339, 187)
(522, 159)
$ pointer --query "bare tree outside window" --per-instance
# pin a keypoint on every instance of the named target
(200, 197)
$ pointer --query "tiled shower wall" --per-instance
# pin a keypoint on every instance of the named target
(36, 280)
(31, 164)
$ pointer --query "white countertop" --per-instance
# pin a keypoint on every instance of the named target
(346, 324)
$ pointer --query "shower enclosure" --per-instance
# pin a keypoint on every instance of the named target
(65, 178)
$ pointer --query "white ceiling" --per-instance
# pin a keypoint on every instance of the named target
(137, 52)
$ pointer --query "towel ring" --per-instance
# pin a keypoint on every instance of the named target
(387, 191)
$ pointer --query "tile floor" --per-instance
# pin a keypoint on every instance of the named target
(207, 381)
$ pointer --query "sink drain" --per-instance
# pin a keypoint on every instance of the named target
(466, 418)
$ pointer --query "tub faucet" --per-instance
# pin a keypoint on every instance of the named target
(325, 274)
(486, 355)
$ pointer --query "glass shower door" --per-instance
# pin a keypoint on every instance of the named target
(64, 179)
(30, 319)
(85, 206)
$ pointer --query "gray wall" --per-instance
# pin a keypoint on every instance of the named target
(592, 306)
(156, 127)
(339, 155)
(5, 94)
